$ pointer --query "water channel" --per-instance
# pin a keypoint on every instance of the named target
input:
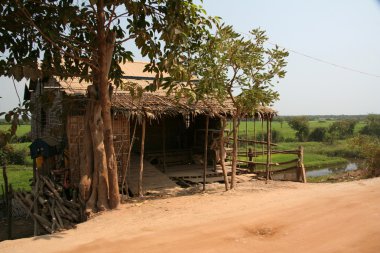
(334, 169)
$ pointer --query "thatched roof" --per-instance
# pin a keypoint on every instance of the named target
(155, 104)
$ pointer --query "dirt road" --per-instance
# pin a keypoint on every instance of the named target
(278, 217)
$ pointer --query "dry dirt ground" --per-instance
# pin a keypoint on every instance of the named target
(278, 217)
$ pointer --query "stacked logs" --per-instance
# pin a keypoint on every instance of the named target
(47, 208)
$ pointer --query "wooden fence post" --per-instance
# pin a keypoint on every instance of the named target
(301, 169)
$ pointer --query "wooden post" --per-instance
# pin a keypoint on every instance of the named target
(124, 156)
(301, 166)
(246, 133)
(223, 153)
(164, 144)
(34, 171)
(235, 129)
(131, 142)
(250, 154)
(254, 134)
(205, 153)
(10, 196)
(5, 177)
(142, 157)
(268, 150)
(35, 207)
(8, 200)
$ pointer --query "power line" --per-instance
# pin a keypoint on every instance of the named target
(327, 62)
(321, 60)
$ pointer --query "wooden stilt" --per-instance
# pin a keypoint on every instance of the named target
(262, 136)
(205, 153)
(142, 157)
(164, 144)
(246, 133)
(131, 142)
(235, 129)
(223, 152)
(268, 151)
(254, 134)
(124, 157)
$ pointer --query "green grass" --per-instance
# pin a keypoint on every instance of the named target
(21, 129)
(18, 176)
(285, 130)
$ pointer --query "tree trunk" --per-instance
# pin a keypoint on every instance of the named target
(234, 149)
(106, 42)
(86, 158)
(100, 183)
(222, 153)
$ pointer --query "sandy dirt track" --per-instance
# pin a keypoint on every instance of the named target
(278, 217)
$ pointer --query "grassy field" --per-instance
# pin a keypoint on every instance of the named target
(247, 128)
(18, 176)
(316, 154)
(21, 129)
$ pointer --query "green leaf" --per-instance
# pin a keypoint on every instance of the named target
(8, 117)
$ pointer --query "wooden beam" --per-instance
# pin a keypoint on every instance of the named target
(205, 153)
(255, 142)
(258, 163)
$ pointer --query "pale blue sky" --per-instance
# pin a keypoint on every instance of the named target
(343, 32)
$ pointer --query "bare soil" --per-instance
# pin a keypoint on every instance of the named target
(257, 217)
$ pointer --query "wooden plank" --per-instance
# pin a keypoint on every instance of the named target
(153, 178)
(255, 142)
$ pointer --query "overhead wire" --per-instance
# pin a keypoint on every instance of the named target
(319, 59)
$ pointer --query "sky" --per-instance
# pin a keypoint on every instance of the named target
(342, 33)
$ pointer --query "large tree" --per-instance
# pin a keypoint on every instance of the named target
(230, 67)
(86, 39)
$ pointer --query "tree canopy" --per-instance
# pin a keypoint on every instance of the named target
(301, 126)
(86, 39)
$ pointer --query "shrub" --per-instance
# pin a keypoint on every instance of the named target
(318, 134)
(342, 129)
(373, 126)
(301, 126)
(277, 136)
(15, 156)
(369, 148)
(25, 138)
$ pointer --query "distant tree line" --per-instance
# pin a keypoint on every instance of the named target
(338, 130)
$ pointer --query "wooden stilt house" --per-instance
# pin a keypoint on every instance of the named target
(170, 133)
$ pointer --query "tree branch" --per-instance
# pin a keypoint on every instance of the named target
(49, 40)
